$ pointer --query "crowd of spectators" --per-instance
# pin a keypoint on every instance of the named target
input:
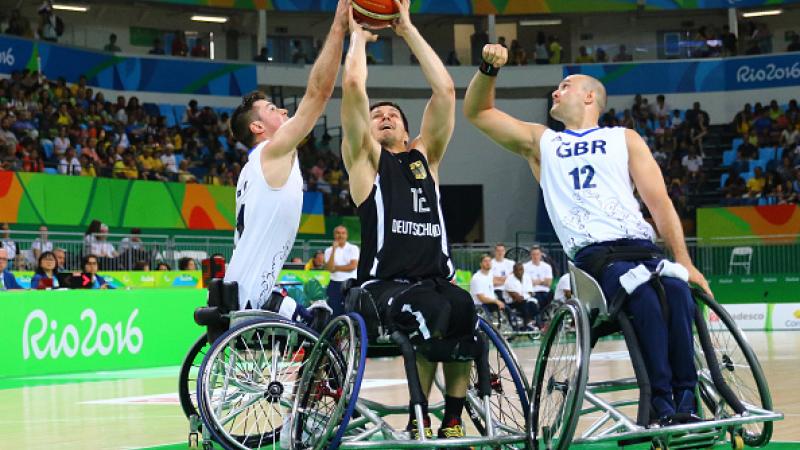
(676, 139)
(58, 127)
(766, 165)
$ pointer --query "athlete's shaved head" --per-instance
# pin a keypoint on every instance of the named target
(594, 85)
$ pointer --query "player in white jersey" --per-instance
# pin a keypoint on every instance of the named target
(269, 193)
(588, 175)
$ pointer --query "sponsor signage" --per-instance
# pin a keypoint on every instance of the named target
(786, 316)
(747, 316)
(70, 331)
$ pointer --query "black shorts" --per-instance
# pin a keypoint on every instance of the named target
(432, 308)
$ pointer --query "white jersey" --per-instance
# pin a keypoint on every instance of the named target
(587, 188)
(267, 219)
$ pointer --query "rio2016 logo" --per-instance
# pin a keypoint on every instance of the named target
(771, 72)
(7, 57)
(39, 337)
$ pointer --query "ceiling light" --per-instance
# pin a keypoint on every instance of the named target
(214, 19)
(766, 12)
(75, 8)
(539, 22)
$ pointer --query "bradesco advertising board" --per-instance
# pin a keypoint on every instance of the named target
(56, 332)
(786, 316)
(749, 316)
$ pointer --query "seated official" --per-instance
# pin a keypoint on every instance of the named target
(45, 275)
(518, 291)
(90, 278)
(7, 280)
(481, 287)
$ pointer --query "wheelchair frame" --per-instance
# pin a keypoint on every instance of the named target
(730, 414)
(346, 376)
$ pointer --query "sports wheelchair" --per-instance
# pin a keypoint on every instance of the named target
(732, 393)
(266, 380)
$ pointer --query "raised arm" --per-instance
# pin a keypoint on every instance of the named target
(439, 117)
(360, 151)
(647, 177)
(319, 89)
(512, 134)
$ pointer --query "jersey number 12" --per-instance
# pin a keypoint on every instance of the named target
(576, 173)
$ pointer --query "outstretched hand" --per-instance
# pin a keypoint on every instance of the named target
(357, 28)
(495, 54)
(402, 23)
(341, 16)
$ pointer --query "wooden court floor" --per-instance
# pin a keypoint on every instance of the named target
(139, 409)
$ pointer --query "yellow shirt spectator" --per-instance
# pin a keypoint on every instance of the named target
(555, 52)
(756, 184)
(88, 171)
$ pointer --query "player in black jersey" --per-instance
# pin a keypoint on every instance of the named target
(394, 183)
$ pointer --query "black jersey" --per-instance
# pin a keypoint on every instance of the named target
(402, 227)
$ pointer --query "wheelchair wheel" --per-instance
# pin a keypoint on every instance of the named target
(328, 390)
(187, 379)
(740, 369)
(559, 380)
(248, 380)
(509, 400)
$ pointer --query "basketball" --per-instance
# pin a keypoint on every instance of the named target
(374, 13)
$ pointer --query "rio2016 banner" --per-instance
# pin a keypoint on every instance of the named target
(78, 331)
(471, 7)
(136, 280)
(127, 73)
(713, 75)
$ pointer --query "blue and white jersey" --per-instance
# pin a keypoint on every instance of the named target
(588, 189)
(267, 219)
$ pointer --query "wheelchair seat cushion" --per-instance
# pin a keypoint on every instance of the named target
(432, 308)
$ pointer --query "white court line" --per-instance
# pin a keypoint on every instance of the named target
(173, 399)
(621, 355)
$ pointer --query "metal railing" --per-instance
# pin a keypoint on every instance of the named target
(746, 255)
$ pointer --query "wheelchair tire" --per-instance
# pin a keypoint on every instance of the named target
(240, 406)
(187, 378)
(509, 401)
(333, 379)
(555, 404)
(740, 369)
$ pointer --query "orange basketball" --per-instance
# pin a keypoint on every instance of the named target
(374, 13)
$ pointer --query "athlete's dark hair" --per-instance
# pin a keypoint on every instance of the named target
(395, 106)
(243, 116)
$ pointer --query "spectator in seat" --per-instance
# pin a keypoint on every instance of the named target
(142, 266)
(317, 262)
(112, 44)
(87, 167)
(42, 243)
(501, 268)
(69, 164)
(169, 161)
(131, 243)
(7, 243)
(184, 176)
(734, 189)
(186, 263)
(660, 109)
(563, 289)
(786, 170)
(622, 54)
(48, 29)
(540, 53)
(600, 55)
(755, 185)
(158, 47)
(481, 288)
(693, 163)
(740, 164)
(61, 259)
(749, 146)
(162, 266)
(518, 291)
(179, 47)
(45, 275)
(90, 266)
(517, 54)
(583, 56)
(101, 247)
(7, 280)
(555, 50)
(541, 275)
(199, 50)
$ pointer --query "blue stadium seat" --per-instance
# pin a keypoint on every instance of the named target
(736, 143)
(747, 176)
(169, 113)
(223, 141)
(728, 156)
(151, 109)
(47, 147)
(179, 111)
(723, 179)
(766, 153)
(757, 163)
(51, 170)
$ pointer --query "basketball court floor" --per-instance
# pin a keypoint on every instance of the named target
(139, 409)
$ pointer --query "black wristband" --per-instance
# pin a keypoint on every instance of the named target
(488, 69)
